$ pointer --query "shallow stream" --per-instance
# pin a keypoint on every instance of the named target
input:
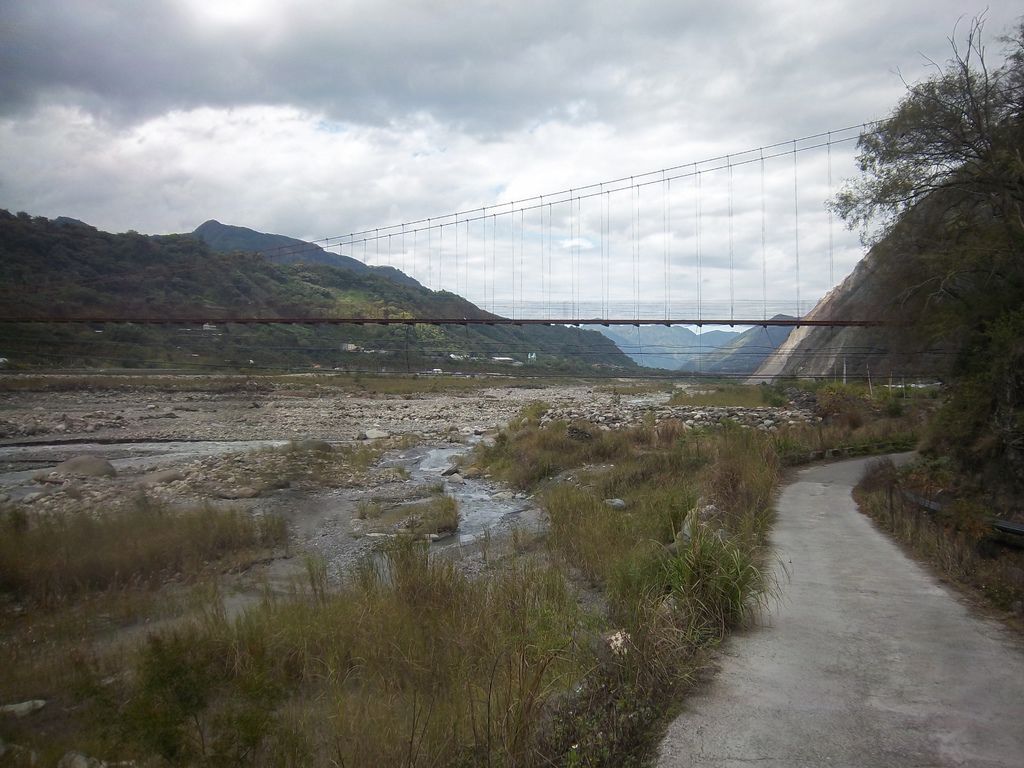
(482, 504)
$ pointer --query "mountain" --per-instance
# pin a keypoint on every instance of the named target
(70, 270)
(748, 350)
(281, 249)
(879, 288)
(673, 348)
(677, 348)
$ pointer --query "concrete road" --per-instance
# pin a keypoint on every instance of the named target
(867, 661)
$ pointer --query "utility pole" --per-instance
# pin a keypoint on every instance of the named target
(844, 371)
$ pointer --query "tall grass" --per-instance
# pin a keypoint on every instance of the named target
(396, 669)
(527, 454)
(954, 543)
(56, 557)
(439, 514)
(413, 662)
(801, 443)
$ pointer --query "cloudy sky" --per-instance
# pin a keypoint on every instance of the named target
(315, 119)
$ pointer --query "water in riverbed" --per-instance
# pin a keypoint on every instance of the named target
(482, 505)
(479, 508)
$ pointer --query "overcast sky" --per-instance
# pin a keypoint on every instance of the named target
(313, 118)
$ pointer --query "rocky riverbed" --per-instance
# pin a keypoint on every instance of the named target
(345, 471)
(313, 456)
(144, 415)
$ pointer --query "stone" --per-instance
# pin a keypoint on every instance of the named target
(24, 708)
(580, 435)
(245, 492)
(86, 466)
(372, 434)
(78, 760)
(17, 755)
(615, 503)
(456, 478)
(452, 470)
(160, 478)
(503, 496)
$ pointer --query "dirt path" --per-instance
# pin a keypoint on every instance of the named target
(868, 661)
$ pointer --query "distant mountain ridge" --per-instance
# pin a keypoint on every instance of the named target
(678, 348)
(281, 249)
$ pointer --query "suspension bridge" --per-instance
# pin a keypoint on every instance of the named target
(743, 239)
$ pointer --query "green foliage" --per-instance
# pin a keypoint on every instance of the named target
(715, 581)
(438, 515)
(944, 178)
(55, 268)
(399, 665)
(529, 454)
(981, 424)
(412, 661)
(956, 134)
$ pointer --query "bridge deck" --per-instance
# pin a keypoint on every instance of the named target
(577, 321)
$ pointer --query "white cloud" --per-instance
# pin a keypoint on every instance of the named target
(318, 118)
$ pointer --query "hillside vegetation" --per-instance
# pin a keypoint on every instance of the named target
(281, 249)
(63, 268)
(942, 197)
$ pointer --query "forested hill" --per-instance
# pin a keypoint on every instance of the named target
(68, 269)
(281, 249)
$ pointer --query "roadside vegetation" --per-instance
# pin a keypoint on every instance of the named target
(858, 421)
(956, 539)
(940, 195)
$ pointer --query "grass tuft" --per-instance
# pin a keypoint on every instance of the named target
(54, 558)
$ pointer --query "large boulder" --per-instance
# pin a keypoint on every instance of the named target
(78, 760)
(161, 477)
(86, 466)
(24, 708)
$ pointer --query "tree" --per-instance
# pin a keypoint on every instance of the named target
(942, 185)
(957, 136)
